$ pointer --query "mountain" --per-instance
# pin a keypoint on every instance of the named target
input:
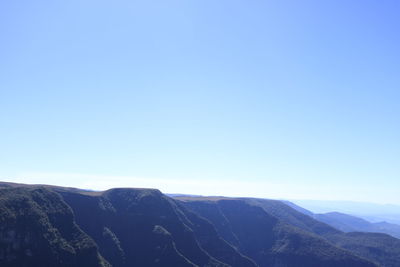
(348, 223)
(143, 227)
(56, 226)
(267, 239)
(380, 248)
(125, 227)
(37, 228)
(369, 211)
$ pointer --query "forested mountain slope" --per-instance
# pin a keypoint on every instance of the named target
(56, 226)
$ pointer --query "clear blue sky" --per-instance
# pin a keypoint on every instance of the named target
(283, 99)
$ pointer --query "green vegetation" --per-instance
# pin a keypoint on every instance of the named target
(37, 229)
(55, 226)
(269, 240)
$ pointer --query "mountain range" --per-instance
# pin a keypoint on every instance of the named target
(350, 223)
(372, 212)
(43, 225)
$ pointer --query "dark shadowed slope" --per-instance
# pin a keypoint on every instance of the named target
(56, 226)
(268, 240)
(135, 227)
(142, 227)
(379, 248)
(37, 229)
(289, 215)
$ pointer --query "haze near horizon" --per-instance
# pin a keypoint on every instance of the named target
(273, 99)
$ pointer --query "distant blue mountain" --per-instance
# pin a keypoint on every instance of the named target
(369, 211)
(350, 223)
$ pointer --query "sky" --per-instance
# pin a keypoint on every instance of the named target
(275, 99)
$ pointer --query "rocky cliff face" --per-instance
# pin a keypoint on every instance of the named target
(37, 229)
(54, 226)
(142, 227)
(376, 247)
(268, 240)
